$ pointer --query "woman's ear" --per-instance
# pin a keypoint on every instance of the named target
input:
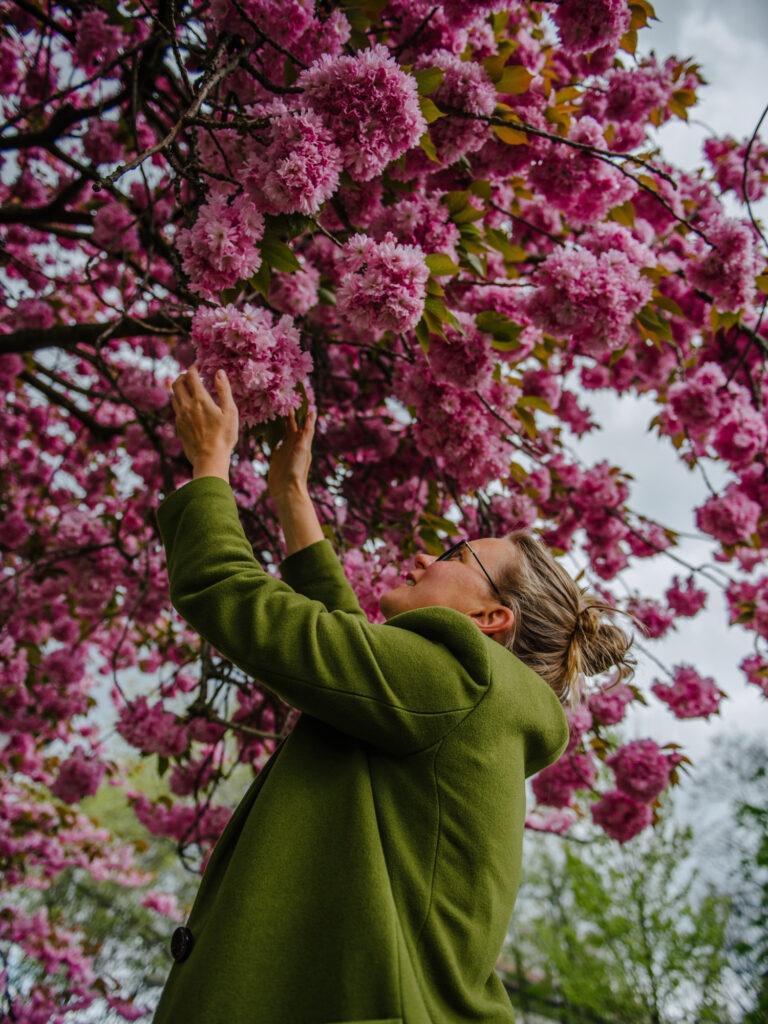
(495, 620)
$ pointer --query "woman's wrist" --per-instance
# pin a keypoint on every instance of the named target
(292, 497)
(212, 464)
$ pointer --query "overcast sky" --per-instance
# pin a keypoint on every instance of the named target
(730, 43)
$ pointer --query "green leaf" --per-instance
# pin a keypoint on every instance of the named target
(527, 420)
(429, 109)
(467, 215)
(455, 201)
(428, 79)
(441, 264)
(624, 214)
(260, 280)
(514, 81)
(535, 402)
(422, 335)
(474, 262)
(664, 302)
(434, 288)
(303, 410)
(278, 255)
(437, 308)
(428, 146)
(288, 225)
(500, 327)
(512, 136)
(481, 188)
(431, 541)
(654, 323)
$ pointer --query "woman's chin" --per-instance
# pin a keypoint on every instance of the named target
(391, 601)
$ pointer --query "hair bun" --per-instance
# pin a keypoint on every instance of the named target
(602, 644)
(589, 619)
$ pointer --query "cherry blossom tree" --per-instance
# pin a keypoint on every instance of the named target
(442, 225)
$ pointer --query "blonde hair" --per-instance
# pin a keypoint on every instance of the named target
(560, 631)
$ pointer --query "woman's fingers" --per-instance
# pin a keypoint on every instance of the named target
(224, 390)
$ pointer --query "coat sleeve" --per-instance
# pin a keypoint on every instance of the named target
(400, 686)
(316, 572)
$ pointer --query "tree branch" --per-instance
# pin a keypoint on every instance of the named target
(66, 337)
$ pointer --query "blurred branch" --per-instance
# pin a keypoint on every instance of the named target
(66, 337)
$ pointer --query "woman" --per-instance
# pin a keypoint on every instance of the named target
(369, 874)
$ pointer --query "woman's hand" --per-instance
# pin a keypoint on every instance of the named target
(287, 482)
(289, 466)
(207, 431)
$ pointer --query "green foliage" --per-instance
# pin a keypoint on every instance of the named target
(618, 936)
(751, 944)
(129, 942)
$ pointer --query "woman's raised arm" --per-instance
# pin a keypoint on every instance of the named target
(287, 481)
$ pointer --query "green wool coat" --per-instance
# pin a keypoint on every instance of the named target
(368, 875)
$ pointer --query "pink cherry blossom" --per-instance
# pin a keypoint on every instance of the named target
(755, 668)
(728, 156)
(579, 723)
(221, 247)
(556, 785)
(727, 269)
(686, 598)
(295, 293)
(114, 229)
(732, 517)
(298, 167)
(282, 20)
(655, 619)
(78, 776)
(749, 604)
(98, 39)
(700, 400)
(465, 86)
(591, 24)
(262, 356)
(370, 106)
(742, 435)
(464, 358)
(588, 299)
(609, 704)
(152, 729)
(583, 188)
(689, 695)
(419, 220)
(384, 284)
(620, 815)
(641, 768)
(557, 821)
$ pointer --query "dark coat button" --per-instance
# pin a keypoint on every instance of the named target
(181, 944)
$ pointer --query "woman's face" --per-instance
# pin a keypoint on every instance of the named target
(457, 583)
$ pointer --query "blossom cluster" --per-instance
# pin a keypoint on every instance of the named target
(222, 246)
(262, 357)
(383, 286)
(369, 133)
(690, 695)
(642, 771)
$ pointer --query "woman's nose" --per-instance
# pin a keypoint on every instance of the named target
(423, 560)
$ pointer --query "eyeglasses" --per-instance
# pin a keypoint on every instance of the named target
(456, 549)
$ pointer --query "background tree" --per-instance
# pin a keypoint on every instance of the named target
(730, 808)
(440, 223)
(620, 936)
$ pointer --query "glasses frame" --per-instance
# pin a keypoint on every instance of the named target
(451, 551)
